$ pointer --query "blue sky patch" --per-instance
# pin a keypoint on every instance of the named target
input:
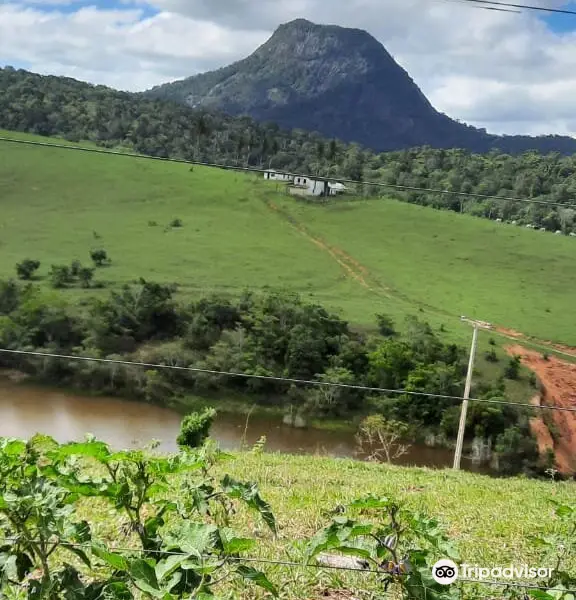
(74, 5)
(562, 23)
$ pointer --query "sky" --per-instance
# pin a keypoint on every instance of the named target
(507, 72)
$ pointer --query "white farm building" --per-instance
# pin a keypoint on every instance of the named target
(306, 186)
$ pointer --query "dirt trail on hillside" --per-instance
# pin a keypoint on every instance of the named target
(558, 385)
(350, 265)
(516, 335)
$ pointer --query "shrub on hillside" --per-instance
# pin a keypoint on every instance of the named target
(99, 257)
(385, 325)
(75, 268)
(517, 452)
(195, 428)
(491, 356)
(512, 371)
(176, 223)
(85, 276)
(27, 268)
(60, 276)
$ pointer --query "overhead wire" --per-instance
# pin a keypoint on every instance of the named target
(293, 564)
(494, 8)
(436, 191)
(312, 382)
(498, 3)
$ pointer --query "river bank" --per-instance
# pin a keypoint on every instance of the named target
(27, 408)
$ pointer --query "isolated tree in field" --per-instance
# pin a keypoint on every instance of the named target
(195, 428)
(100, 257)
(27, 268)
(85, 276)
(385, 325)
(381, 439)
(60, 275)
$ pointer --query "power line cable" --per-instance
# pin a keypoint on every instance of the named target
(494, 8)
(284, 563)
(562, 11)
(313, 177)
(312, 382)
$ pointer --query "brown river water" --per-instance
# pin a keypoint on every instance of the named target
(27, 409)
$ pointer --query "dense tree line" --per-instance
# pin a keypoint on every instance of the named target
(271, 335)
(57, 106)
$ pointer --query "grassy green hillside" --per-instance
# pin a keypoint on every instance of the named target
(452, 264)
(359, 257)
(301, 489)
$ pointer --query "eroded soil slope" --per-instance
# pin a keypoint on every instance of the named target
(558, 388)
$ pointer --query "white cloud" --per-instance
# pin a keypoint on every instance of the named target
(117, 47)
(507, 72)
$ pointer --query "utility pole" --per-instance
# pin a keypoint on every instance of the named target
(464, 410)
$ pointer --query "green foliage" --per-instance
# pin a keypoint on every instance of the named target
(33, 103)
(217, 223)
(60, 276)
(274, 335)
(27, 268)
(385, 325)
(99, 257)
(134, 315)
(517, 451)
(400, 544)
(75, 268)
(185, 546)
(559, 550)
(176, 223)
(195, 428)
(85, 276)
(491, 356)
(512, 370)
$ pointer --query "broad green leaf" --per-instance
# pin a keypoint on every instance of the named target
(248, 492)
(258, 578)
(237, 545)
(81, 532)
(117, 590)
(43, 443)
(173, 582)
(564, 510)
(97, 450)
(167, 566)
(145, 577)
(202, 567)
(8, 566)
(540, 595)
(152, 525)
(195, 538)
(117, 561)
(79, 553)
(370, 502)
(13, 447)
(323, 540)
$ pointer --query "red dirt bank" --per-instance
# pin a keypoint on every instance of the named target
(558, 379)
